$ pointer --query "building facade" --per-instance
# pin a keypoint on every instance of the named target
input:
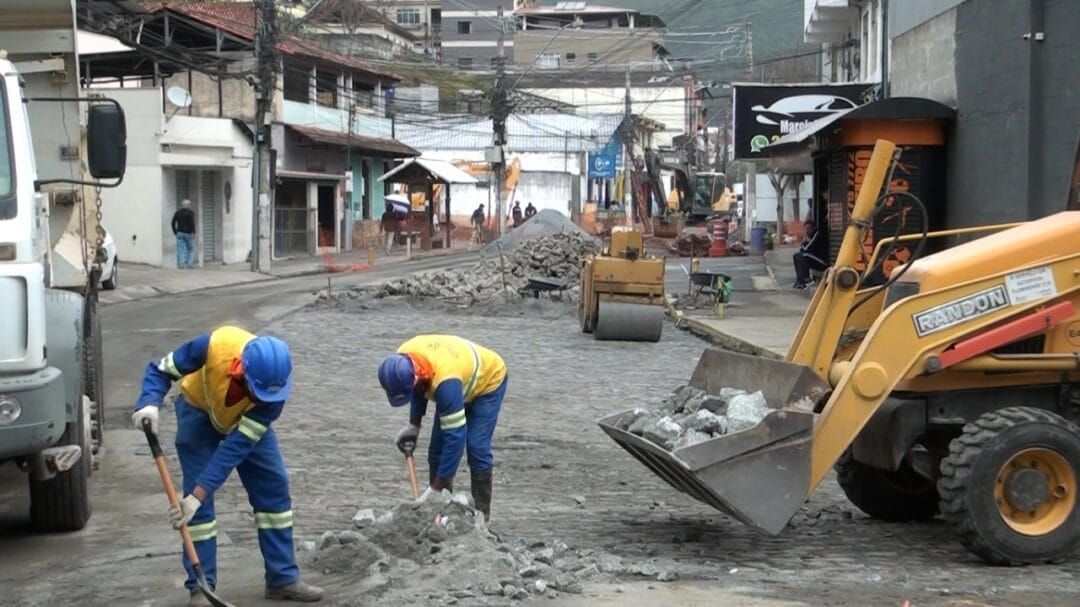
(470, 33)
(577, 35)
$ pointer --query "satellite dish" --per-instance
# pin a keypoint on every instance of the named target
(178, 96)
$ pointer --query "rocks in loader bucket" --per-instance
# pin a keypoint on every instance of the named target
(689, 416)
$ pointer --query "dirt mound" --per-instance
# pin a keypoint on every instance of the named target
(544, 223)
(447, 553)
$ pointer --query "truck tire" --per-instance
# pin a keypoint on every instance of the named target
(1009, 487)
(110, 284)
(62, 503)
(94, 374)
(900, 497)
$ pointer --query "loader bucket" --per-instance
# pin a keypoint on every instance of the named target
(760, 475)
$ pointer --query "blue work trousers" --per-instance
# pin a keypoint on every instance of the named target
(481, 416)
(263, 476)
(185, 250)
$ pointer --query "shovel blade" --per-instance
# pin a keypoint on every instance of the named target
(760, 475)
(207, 591)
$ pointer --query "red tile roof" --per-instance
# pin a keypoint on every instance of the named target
(238, 19)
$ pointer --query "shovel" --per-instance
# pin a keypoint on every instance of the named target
(410, 467)
(189, 546)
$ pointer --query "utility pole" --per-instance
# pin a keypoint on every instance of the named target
(628, 142)
(499, 112)
(265, 85)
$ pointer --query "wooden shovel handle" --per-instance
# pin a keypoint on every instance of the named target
(411, 467)
(170, 491)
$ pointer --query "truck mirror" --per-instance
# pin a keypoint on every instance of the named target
(106, 141)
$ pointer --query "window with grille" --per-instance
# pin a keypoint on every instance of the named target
(464, 27)
(408, 16)
(571, 58)
(548, 61)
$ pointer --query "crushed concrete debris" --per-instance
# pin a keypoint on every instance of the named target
(689, 416)
(496, 279)
(459, 558)
(544, 223)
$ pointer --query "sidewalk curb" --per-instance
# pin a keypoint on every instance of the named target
(714, 336)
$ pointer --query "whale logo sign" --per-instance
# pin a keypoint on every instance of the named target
(764, 113)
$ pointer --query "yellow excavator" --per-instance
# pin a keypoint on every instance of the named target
(952, 389)
(622, 290)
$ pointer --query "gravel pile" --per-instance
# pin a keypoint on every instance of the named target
(497, 279)
(449, 547)
(544, 223)
(690, 416)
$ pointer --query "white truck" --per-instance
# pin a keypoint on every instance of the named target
(57, 149)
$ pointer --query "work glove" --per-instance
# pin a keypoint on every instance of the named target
(433, 495)
(149, 412)
(181, 514)
(406, 439)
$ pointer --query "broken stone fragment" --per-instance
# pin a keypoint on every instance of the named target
(707, 422)
(327, 539)
(491, 589)
(363, 518)
(664, 432)
(691, 437)
(350, 537)
(667, 575)
(746, 410)
(540, 586)
(545, 555)
(714, 404)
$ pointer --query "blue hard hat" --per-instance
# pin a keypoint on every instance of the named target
(268, 369)
(397, 377)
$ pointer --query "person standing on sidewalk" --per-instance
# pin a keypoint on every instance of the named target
(233, 386)
(467, 382)
(391, 226)
(183, 227)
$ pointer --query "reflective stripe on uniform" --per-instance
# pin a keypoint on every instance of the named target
(166, 365)
(476, 371)
(452, 421)
(203, 531)
(251, 428)
(273, 520)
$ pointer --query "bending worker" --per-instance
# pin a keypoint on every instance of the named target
(467, 383)
(233, 386)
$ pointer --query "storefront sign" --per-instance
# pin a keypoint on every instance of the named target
(765, 113)
(602, 163)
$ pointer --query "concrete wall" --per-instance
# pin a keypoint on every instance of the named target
(1018, 104)
(132, 212)
(922, 61)
(905, 15)
(665, 105)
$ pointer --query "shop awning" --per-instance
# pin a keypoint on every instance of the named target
(892, 108)
(381, 146)
(426, 170)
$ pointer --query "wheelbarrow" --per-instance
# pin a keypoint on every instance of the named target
(543, 284)
(715, 284)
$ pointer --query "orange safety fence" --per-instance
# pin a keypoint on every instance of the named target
(333, 267)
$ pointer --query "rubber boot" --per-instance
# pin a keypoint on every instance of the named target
(433, 472)
(481, 492)
(298, 591)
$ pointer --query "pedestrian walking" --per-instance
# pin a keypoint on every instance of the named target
(467, 382)
(390, 224)
(183, 227)
(233, 385)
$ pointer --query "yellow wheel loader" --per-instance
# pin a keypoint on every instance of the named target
(622, 291)
(954, 388)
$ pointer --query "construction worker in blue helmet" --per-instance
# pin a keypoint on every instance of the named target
(467, 382)
(233, 386)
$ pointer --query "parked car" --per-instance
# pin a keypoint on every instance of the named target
(109, 267)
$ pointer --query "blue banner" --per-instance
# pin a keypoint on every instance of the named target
(602, 163)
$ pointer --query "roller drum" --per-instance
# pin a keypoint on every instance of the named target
(621, 321)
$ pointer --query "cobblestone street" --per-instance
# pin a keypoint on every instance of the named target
(559, 477)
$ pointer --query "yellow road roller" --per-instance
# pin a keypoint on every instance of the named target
(622, 290)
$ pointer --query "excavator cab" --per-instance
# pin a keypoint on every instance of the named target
(952, 388)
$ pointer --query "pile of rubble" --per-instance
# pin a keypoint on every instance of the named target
(691, 244)
(556, 256)
(446, 551)
(690, 416)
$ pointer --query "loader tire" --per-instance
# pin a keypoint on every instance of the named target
(1009, 487)
(900, 497)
